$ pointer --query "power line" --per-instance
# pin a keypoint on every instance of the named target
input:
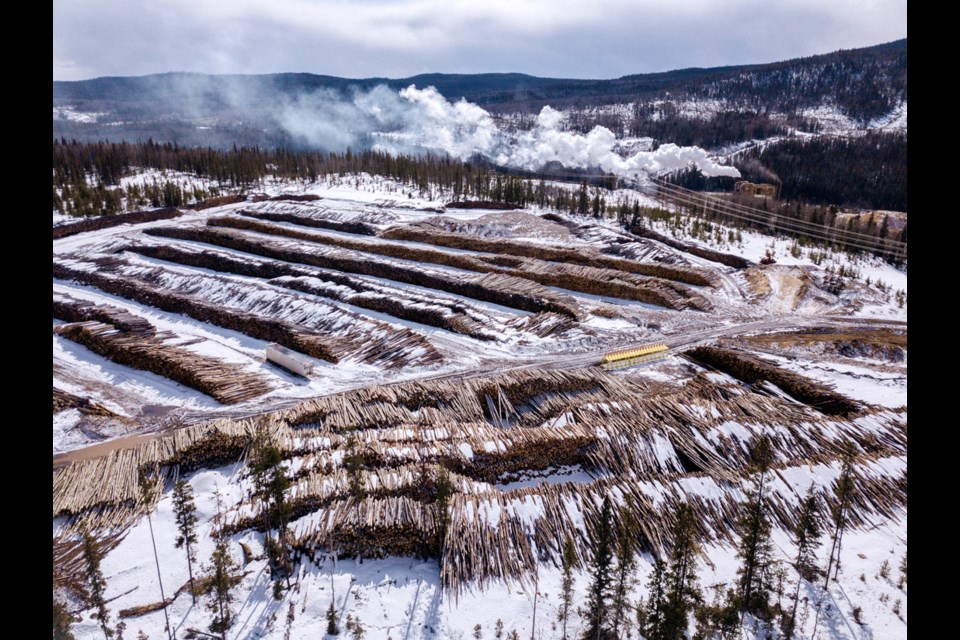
(827, 234)
(751, 210)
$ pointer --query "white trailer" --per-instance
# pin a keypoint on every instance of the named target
(288, 359)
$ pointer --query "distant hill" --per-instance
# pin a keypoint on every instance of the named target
(192, 108)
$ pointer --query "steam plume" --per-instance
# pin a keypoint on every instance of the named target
(422, 118)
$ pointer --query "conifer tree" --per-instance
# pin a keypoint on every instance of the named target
(280, 512)
(626, 565)
(270, 482)
(566, 585)
(807, 533)
(61, 621)
(96, 581)
(147, 496)
(444, 489)
(842, 491)
(185, 512)
(755, 550)
(222, 573)
(597, 611)
(353, 464)
(332, 628)
(682, 592)
(650, 616)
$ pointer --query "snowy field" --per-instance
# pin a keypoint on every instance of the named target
(401, 597)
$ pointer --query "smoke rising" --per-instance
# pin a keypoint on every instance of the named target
(754, 164)
(422, 119)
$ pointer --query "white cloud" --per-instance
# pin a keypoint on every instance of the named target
(602, 38)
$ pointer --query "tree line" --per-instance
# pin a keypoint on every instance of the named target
(765, 596)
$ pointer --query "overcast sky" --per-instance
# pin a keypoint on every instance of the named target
(399, 38)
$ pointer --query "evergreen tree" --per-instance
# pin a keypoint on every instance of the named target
(185, 513)
(755, 551)
(682, 592)
(626, 566)
(96, 581)
(222, 573)
(332, 628)
(807, 533)
(444, 490)
(598, 608)
(270, 482)
(147, 496)
(353, 465)
(280, 513)
(566, 585)
(842, 491)
(650, 616)
(61, 621)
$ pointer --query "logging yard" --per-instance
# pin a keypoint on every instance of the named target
(493, 375)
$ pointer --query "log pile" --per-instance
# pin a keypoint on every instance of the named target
(371, 528)
(70, 567)
(499, 289)
(70, 309)
(63, 400)
(728, 259)
(105, 222)
(593, 280)
(429, 234)
(445, 313)
(226, 383)
(751, 370)
(459, 401)
(217, 201)
(319, 335)
(357, 228)
(690, 444)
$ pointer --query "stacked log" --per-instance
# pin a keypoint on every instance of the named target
(63, 400)
(429, 234)
(393, 347)
(105, 222)
(357, 228)
(217, 201)
(440, 312)
(226, 383)
(752, 370)
(728, 259)
(71, 309)
(498, 289)
(593, 280)
(687, 445)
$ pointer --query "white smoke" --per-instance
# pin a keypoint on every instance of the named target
(423, 119)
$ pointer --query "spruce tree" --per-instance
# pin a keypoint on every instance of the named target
(332, 628)
(566, 585)
(147, 496)
(61, 621)
(222, 573)
(96, 582)
(270, 482)
(755, 551)
(280, 513)
(842, 491)
(185, 512)
(597, 611)
(650, 616)
(444, 490)
(682, 592)
(626, 566)
(807, 533)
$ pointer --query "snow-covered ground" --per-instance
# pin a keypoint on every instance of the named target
(401, 597)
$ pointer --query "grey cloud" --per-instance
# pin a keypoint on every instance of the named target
(599, 39)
